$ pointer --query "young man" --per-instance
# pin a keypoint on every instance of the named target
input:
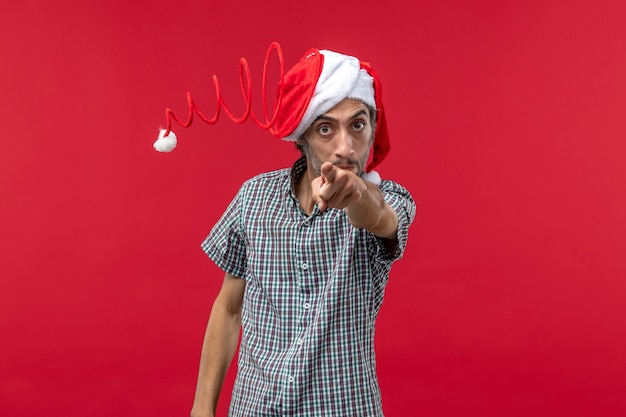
(306, 253)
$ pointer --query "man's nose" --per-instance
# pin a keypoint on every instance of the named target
(344, 143)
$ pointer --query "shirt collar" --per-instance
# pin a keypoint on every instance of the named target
(297, 169)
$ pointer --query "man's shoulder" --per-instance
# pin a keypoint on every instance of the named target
(387, 185)
(270, 176)
(268, 180)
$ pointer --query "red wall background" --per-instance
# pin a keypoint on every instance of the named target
(508, 122)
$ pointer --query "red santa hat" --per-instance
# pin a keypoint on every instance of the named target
(318, 81)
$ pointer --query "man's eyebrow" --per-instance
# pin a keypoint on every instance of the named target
(359, 113)
(324, 117)
(332, 119)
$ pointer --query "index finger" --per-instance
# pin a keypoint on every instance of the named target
(328, 171)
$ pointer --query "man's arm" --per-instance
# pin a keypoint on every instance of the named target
(363, 201)
(219, 346)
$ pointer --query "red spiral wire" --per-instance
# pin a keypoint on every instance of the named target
(246, 90)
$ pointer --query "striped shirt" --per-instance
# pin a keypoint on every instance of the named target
(314, 286)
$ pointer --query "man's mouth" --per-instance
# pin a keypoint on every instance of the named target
(346, 167)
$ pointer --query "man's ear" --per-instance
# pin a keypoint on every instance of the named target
(298, 143)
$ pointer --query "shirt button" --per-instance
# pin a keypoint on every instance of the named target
(299, 342)
(291, 379)
(306, 223)
(304, 266)
(306, 306)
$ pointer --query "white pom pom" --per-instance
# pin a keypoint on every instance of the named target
(165, 143)
(372, 177)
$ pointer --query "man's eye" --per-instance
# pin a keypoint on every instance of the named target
(324, 130)
(359, 125)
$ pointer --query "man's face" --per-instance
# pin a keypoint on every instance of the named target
(342, 135)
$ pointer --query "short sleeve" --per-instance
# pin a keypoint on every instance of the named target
(226, 245)
(403, 204)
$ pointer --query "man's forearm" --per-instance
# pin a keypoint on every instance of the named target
(218, 348)
(371, 212)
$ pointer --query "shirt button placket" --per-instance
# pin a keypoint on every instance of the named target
(304, 266)
(304, 270)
